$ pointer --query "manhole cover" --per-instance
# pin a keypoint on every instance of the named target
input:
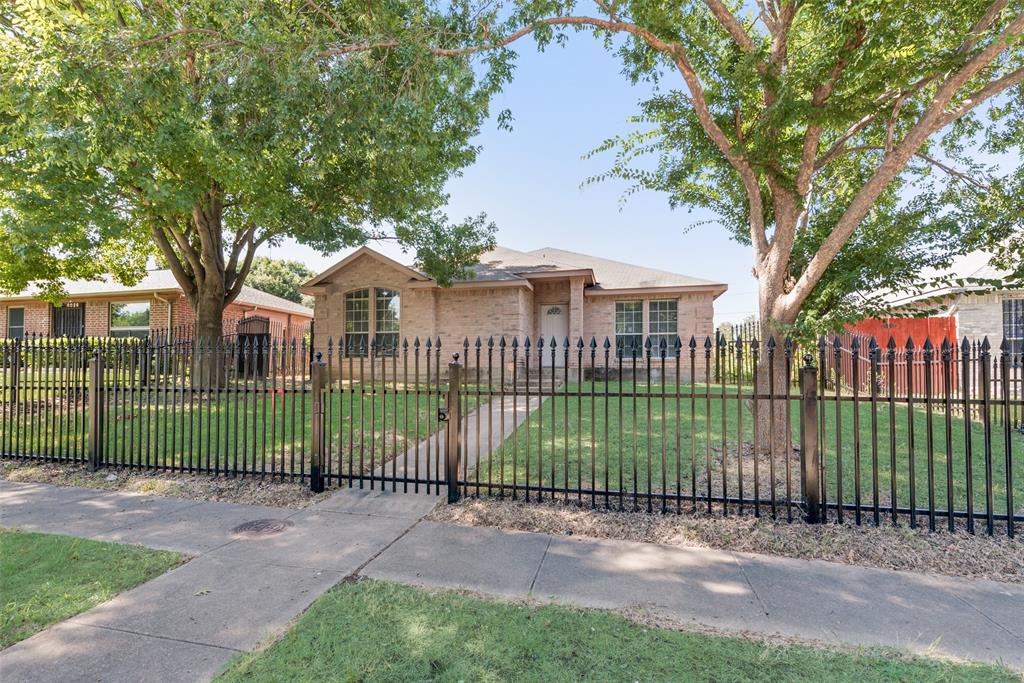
(262, 527)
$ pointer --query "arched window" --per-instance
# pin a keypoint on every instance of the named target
(357, 321)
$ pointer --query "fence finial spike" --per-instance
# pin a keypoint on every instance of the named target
(928, 346)
(822, 343)
(892, 343)
(405, 342)
(515, 342)
(965, 346)
(416, 342)
(693, 342)
(593, 342)
(501, 342)
(771, 343)
(647, 343)
(985, 346)
(478, 343)
(430, 343)
(1004, 346)
(579, 343)
(526, 342)
(872, 344)
(490, 342)
(678, 343)
(855, 344)
(910, 344)
(707, 343)
(945, 342)
(607, 344)
(565, 342)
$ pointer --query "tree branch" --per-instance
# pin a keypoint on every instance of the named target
(173, 261)
(819, 97)
(732, 25)
(933, 119)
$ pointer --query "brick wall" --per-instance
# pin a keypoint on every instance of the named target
(981, 315)
(97, 318)
(695, 318)
(37, 317)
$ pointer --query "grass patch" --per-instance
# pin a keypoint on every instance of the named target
(646, 443)
(377, 631)
(241, 427)
(46, 578)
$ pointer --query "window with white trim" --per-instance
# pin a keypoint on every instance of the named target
(15, 323)
(1013, 328)
(387, 320)
(663, 324)
(357, 322)
(129, 319)
(629, 327)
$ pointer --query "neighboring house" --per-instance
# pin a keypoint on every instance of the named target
(102, 308)
(546, 293)
(966, 308)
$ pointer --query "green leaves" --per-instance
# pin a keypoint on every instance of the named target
(114, 131)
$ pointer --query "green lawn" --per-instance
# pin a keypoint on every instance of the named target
(676, 445)
(250, 427)
(45, 578)
(377, 631)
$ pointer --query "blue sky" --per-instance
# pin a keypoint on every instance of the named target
(565, 102)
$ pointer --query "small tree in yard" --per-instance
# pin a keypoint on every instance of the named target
(204, 130)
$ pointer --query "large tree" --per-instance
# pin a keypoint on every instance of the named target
(844, 142)
(206, 129)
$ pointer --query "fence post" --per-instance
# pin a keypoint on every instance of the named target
(15, 372)
(96, 411)
(454, 442)
(318, 374)
(810, 454)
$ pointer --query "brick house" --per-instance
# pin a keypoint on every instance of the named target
(547, 292)
(102, 308)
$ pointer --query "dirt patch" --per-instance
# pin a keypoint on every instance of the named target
(997, 558)
(248, 490)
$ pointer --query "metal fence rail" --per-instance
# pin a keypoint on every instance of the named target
(845, 429)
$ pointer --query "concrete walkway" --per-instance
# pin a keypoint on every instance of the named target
(234, 594)
(237, 593)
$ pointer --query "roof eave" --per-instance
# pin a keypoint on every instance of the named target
(714, 288)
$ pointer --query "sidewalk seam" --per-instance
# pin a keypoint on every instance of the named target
(987, 617)
(146, 635)
(355, 572)
(540, 564)
(743, 570)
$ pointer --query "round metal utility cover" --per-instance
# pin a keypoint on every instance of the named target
(258, 528)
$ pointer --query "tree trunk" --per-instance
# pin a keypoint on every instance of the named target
(773, 378)
(209, 366)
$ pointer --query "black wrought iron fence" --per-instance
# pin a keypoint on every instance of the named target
(739, 427)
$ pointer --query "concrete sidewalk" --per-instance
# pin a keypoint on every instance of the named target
(820, 601)
(237, 592)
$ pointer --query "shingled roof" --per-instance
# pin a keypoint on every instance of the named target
(502, 263)
(156, 282)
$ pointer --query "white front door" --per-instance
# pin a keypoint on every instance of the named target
(554, 323)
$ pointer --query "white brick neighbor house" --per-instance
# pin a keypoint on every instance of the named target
(547, 293)
(966, 307)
